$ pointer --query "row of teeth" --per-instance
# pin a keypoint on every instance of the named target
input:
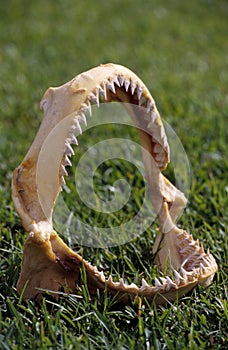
(159, 150)
(196, 258)
(161, 284)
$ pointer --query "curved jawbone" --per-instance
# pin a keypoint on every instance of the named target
(48, 263)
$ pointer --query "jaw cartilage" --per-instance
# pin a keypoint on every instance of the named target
(48, 263)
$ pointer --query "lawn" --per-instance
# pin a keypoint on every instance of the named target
(180, 50)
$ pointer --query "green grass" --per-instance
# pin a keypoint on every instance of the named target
(179, 49)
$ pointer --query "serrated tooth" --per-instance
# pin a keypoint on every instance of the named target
(133, 87)
(126, 84)
(121, 80)
(139, 92)
(83, 119)
(157, 282)
(144, 283)
(63, 171)
(67, 161)
(68, 150)
(111, 87)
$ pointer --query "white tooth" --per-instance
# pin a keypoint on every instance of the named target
(67, 161)
(144, 283)
(121, 283)
(132, 286)
(163, 280)
(111, 87)
(140, 91)
(178, 277)
(149, 106)
(184, 274)
(142, 100)
(110, 280)
(116, 81)
(153, 116)
(72, 140)
(103, 91)
(63, 171)
(157, 282)
(94, 97)
(126, 84)
(83, 119)
(78, 126)
(63, 182)
(121, 80)
(68, 150)
(133, 87)
(86, 107)
(170, 282)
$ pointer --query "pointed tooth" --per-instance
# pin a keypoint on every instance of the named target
(63, 182)
(126, 84)
(184, 274)
(163, 280)
(86, 107)
(144, 283)
(78, 127)
(83, 119)
(121, 80)
(139, 91)
(157, 282)
(178, 277)
(142, 100)
(72, 140)
(94, 97)
(103, 92)
(111, 87)
(110, 280)
(133, 87)
(149, 106)
(67, 161)
(153, 116)
(116, 81)
(170, 282)
(121, 283)
(68, 150)
(63, 171)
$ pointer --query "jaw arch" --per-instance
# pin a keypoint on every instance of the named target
(43, 249)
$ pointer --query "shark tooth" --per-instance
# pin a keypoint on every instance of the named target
(111, 87)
